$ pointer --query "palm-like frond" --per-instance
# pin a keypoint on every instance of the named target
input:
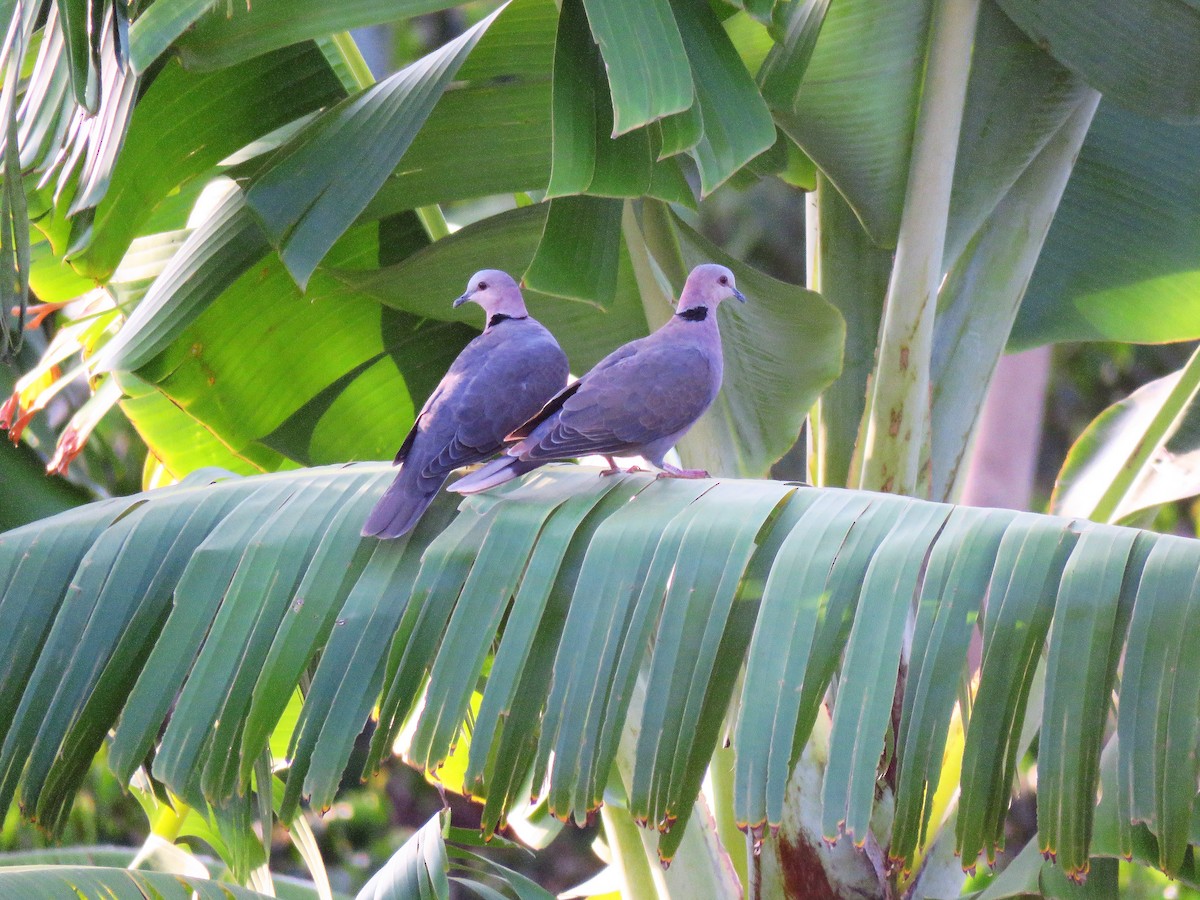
(199, 608)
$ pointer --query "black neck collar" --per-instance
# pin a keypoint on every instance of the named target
(502, 317)
(693, 314)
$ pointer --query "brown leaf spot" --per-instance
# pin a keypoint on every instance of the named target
(803, 874)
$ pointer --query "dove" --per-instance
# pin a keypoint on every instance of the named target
(638, 401)
(498, 381)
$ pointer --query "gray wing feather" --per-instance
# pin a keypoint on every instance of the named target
(500, 380)
(647, 395)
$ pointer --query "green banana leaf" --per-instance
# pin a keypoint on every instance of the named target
(202, 605)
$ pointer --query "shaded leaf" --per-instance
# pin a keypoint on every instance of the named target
(1141, 55)
(230, 35)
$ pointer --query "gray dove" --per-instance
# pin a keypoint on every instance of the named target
(498, 381)
(638, 401)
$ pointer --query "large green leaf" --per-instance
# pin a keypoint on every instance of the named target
(502, 91)
(579, 253)
(220, 249)
(970, 333)
(1120, 261)
(340, 373)
(1018, 97)
(1145, 55)
(503, 94)
(796, 27)
(589, 155)
(168, 586)
(736, 125)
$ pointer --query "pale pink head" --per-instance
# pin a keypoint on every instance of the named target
(708, 285)
(496, 292)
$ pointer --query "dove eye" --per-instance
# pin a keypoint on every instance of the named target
(723, 280)
(483, 285)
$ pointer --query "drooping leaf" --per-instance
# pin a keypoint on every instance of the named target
(869, 669)
(324, 177)
(796, 26)
(118, 884)
(579, 252)
(736, 125)
(943, 626)
(589, 156)
(644, 57)
(218, 541)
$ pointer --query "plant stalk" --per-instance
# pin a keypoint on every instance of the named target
(896, 423)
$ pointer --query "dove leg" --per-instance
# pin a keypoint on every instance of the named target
(614, 469)
(670, 471)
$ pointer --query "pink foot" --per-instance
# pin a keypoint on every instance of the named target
(614, 469)
(670, 471)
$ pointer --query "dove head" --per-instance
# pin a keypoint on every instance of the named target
(707, 286)
(496, 292)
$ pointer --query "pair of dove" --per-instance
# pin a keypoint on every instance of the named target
(509, 386)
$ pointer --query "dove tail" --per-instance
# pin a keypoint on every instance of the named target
(400, 507)
(498, 471)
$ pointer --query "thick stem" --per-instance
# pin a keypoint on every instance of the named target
(812, 280)
(896, 422)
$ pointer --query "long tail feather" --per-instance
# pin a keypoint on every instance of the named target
(399, 509)
(497, 472)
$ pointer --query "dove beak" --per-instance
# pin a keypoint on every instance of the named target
(461, 300)
(739, 295)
